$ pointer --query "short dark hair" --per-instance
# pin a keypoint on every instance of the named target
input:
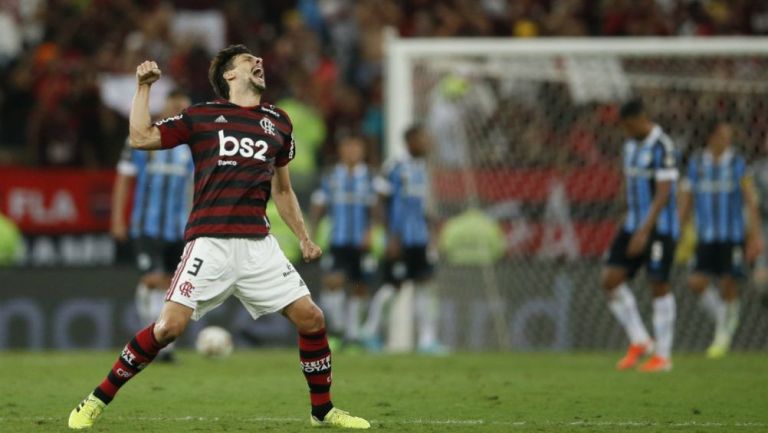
(221, 64)
(632, 108)
(413, 131)
(713, 122)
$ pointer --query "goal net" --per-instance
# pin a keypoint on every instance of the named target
(526, 132)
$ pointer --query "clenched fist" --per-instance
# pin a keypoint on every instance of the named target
(147, 73)
(309, 250)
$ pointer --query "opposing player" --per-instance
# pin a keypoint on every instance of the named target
(241, 148)
(348, 197)
(405, 186)
(162, 193)
(720, 191)
(647, 238)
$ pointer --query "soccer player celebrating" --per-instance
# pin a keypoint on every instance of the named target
(647, 237)
(347, 195)
(159, 214)
(719, 189)
(241, 148)
(405, 186)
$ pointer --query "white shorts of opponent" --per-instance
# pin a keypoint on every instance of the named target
(254, 270)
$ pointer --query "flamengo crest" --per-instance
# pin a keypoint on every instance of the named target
(267, 126)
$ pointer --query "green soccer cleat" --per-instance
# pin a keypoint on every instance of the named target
(341, 419)
(86, 413)
(719, 347)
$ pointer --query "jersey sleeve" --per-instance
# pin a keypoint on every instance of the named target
(127, 166)
(396, 204)
(174, 130)
(665, 156)
(288, 151)
(383, 183)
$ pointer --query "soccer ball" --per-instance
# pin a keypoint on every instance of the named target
(214, 342)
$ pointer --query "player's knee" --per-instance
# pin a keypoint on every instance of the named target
(169, 329)
(610, 280)
(312, 320)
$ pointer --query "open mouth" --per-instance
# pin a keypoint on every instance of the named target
(258, 72)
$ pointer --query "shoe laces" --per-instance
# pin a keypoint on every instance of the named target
(92, 410)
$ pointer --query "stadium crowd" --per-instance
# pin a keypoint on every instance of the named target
(324, 58)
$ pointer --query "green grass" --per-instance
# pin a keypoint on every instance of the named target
(264, 391)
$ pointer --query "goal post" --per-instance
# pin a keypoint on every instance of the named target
(526, 130)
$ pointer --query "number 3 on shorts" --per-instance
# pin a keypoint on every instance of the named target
(194, 267)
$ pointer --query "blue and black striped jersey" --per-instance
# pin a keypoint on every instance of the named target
(348, 196)
(405, 182)
(161, 201)
(647, 162)
(718, 200)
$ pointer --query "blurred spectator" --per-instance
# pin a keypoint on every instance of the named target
(52, 55)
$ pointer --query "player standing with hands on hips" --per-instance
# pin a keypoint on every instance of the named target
(241, 148)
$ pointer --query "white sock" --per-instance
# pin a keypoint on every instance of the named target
(156, 302)
(624, 309)
(732, 310)
(352, 328)
(426, 316)
(376, 310)
(144, 304)
(664, 310)
(332, 302)
(713, 304)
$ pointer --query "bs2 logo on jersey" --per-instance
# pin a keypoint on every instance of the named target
(246, 147)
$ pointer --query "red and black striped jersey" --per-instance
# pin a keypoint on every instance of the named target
(235, 150)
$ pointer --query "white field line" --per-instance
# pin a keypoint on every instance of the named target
(464, 422)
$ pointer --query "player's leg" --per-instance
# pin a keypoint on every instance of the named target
(315, 355)
(148, 262)
(157, 259)
(333, 296)
(202, 281)
(731, 260)
(268, 283)
(356, 296)
(155, 286)
(426, 305)
(140, 351)
(660, 255)
(621, 301)
(700, 283)
(394, 271)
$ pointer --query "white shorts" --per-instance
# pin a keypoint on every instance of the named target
(254, 270)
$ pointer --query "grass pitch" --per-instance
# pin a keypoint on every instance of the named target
(264, 391)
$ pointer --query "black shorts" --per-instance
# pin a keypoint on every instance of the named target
(347, 260)
(157, 255)
(720, 259)
(413, 265)
(657, 257)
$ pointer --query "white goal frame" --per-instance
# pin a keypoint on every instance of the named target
(401, 52)
(400, 108)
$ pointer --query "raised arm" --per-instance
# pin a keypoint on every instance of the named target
(143, 135)
(289, 210)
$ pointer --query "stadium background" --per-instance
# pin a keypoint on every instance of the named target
(66, 77)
